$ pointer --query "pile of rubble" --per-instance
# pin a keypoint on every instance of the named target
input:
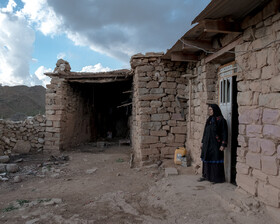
(15, 168)
(6, 168)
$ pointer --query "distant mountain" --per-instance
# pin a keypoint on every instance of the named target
(18, 102)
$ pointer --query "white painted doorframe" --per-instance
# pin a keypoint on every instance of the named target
(225, 102)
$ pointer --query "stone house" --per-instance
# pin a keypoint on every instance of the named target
(84, 107)
(230, 57)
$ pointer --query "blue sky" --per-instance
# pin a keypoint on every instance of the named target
(92, 35)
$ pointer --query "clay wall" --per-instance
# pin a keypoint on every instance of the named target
(68, 113)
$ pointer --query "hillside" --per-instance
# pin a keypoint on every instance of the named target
(18, 102)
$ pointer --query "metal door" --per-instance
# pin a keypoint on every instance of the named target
(225, 102)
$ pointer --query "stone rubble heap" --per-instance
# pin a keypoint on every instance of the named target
(62, 67)
(6, 167)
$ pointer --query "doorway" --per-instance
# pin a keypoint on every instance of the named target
(111, 111)
(229, 108)
(96, 113)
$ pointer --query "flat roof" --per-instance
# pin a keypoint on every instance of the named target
(235, 9)
(93, 77)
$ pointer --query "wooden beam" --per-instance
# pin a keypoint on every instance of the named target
(179, 56)
(96, 80)
(124, 105)
(223, 50)
(220, 26)
(204, 44)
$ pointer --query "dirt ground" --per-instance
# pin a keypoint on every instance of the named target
(97, 185)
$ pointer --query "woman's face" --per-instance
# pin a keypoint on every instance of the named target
(210, 111)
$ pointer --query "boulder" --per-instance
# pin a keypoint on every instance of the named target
(17, 179)
(2, 168)
(41, 140)
(170, 171)
(22, 147)
(62, 66)
(4, 159)
(40, 118)
(1, 150)
(12, 168)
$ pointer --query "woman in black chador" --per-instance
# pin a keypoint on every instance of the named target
(213, 145)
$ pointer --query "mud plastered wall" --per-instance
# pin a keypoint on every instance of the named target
(68, 115)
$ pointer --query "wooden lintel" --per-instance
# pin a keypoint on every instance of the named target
(96, 80)
(179, 56)
(223, 50)
(220, 26)
(207, 45)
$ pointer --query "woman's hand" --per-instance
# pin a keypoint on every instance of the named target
(222, 148)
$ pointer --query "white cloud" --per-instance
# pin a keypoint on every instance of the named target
(10, 6)
(16, 40)
(61, 55)
(95, 68)
(40, 75)
(125, 27)
(116, 28)
(39, 13)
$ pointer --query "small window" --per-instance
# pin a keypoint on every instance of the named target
(228, 91)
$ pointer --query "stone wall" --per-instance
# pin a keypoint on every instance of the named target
(203, 88)
(159, 106)
(68, 114)
(55, 105)
(22, 136)
(259, 107)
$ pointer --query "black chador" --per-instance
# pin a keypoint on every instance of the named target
(214, 136)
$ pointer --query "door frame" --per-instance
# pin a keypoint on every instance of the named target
(225, 77)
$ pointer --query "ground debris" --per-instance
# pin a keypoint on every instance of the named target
(93, 170)
(117, 194)
(58, 158)
(170, 171)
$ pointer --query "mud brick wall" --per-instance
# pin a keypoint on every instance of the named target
(159, 119)
(68, 115)
(76, 125)
(259, 107)
(22, 136)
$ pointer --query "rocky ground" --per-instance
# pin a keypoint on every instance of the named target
(97, 185)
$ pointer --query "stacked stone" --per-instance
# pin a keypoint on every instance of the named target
(259, 107)
(68, 115)
(22, 136)
(203, 85)
(159, 116)
(54, 110)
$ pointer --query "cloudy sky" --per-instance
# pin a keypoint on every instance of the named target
(93, 35)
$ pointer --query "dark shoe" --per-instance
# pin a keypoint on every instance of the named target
(201, 179)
